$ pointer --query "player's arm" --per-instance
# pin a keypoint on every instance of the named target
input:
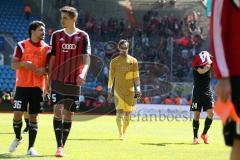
(46, 72)
(203, 69)
(52, 54)
(50, 65)
(86, 65)
(111, 77)
(16, 62)
(136, 80)
(46, 85)
(17, 55)
(86, 60)
(48, 60)
(220, 29)
(51, 57)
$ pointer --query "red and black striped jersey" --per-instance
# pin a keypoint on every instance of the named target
(68, 51)
(225, 33)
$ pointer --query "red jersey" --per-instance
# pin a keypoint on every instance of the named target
(68, 51)
(201, 59)
(225, 34)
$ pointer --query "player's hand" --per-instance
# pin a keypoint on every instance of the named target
(28, 65)
(47, 89)
(207, 67)
(40, 71)
(204, 69)
(223, 89)
(138, 95)
(80, 81)
(109, 98)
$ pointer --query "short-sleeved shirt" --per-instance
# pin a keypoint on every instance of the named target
(68, 51)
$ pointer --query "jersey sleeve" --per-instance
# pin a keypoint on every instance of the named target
(86, 45)
(219, 29)
(135, 70)
(18, 52)
(53, 45)
(111, 75)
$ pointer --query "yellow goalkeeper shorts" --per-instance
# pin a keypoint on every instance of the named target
(125, 103)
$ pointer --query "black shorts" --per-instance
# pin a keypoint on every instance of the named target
(200, 103)
(231, 130)
(68, 95)
(25, 96)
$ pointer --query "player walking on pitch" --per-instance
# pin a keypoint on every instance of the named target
(68, 67)
(30, 62)
(124, 75)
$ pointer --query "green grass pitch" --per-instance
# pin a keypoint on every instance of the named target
(97, 139)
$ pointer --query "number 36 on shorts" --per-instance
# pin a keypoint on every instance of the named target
(17, 104)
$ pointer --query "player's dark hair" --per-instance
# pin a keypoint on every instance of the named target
(123, 44)
(71, 11)
(33, 26)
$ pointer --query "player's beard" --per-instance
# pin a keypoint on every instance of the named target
(41, 37)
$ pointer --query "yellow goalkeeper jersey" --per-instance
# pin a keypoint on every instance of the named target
(122, 74)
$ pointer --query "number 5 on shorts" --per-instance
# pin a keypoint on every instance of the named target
(54, 98)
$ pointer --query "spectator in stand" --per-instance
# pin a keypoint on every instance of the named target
(27, 11)
(105, 73)
(156, 100)
(50, 31)
(146, 100)
(168, 100)
(81, 99)
(145, 41)
(184, 101)
(177, 100)
(6, 96)
(154, 39)
(101, 99)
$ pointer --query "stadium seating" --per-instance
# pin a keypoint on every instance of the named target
(12, 14)
(7, 78)
(1, 43)
(13, 19)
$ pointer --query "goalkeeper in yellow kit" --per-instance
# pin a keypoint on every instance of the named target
(124, 75)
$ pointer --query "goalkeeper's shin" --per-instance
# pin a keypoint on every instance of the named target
(126, 122)
(119, 120)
